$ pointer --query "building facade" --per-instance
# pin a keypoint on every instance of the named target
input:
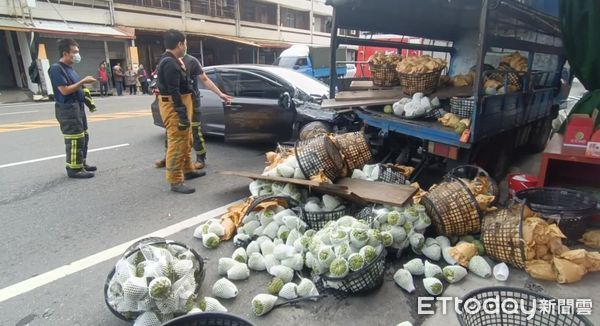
(130, 31)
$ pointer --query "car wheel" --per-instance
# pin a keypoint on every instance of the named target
(314, 129)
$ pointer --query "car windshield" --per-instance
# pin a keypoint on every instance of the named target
(305, 83)
(287, 62)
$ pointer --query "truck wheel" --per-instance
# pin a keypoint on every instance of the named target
(314, 129)
(540, 136)
(502, 163)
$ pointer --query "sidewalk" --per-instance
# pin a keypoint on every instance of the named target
(8, 96)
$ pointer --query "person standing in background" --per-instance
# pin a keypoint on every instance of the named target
(143, 78)
(103, 79)
(118, 74)
(131, 80)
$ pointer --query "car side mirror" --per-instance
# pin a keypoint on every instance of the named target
(285, 100)
(296, 67)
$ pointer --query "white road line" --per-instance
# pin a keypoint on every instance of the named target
(22, 112)
(95, 259)
(59, 156)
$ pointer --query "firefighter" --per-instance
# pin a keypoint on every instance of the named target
(176, 110)
(198, 76)
(69, 108)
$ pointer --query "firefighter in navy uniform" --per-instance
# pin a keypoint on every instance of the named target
(69, 108)
(176, 110)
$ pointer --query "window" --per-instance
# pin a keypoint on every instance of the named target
(322, 24)
(258, 12)
(214, 8)
(161, 4)
(212, 76)
(243, 84)
(294, 18)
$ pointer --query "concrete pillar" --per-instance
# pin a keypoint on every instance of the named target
(26, 57)
(13, 58)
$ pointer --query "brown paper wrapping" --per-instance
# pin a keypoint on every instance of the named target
(591, 239)
(463, 252)
(567, 272)
(541, 270)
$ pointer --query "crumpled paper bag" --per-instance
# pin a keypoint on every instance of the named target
(591, 239)
(541, 270)
(463, 252)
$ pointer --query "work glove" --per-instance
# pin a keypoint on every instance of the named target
(184, 122)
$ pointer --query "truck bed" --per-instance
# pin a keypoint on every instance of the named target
(424, 129)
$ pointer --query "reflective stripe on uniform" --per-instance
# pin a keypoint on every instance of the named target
(74, 136)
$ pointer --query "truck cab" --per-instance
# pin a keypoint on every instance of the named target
(312, 61)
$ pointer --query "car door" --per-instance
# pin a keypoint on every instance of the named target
(211, 108)
(257, 112)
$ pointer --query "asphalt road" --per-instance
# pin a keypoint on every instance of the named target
(49, 220)
(55, 230)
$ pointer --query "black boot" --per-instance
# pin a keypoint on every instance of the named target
(194, 175)
(182, 188)
(79, 174)
(89, 168)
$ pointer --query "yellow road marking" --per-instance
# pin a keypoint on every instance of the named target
(91, 118)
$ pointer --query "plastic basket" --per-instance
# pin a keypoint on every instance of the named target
(453, 209)
(389, 174)
(571, 209)
(471, 172)
(208, 319)
(462, 106)
(530, 301)
(317, 220)
(134, 249)
(502, 236)
(319, 155)
(361, 282)
(384, 75)
(425, 83)
(354, 148)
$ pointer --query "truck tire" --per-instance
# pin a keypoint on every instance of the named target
(314, 129)
(539, 136)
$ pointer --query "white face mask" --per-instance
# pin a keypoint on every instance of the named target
(77, 58)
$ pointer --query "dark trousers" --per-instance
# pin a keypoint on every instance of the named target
(144, 87)
(103, 88)
(73, 125)
(132, 89)
(198, 144)
(119, 87)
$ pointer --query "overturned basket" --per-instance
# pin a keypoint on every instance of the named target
(570, 209)
(391, 174)
(425, 83)
(354, 148)
(319, 155)
(384, 75)
(453, 209)
(510, 299)
(209, 319)
(502, 236)
(361, 282)
(471, 172)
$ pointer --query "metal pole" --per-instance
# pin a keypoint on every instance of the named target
(481, 53)
(202, 52)
(333, 45)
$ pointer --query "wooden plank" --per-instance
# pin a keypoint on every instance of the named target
(378, 192)
(336, 105)
(362, 85)
(376, 94)
(355, 190)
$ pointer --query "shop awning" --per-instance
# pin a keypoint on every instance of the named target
(62, 28)
(271, 44)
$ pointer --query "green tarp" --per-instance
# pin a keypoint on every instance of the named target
(580, 24)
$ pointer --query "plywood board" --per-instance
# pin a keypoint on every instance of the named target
(358, 191)
(378, 192)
